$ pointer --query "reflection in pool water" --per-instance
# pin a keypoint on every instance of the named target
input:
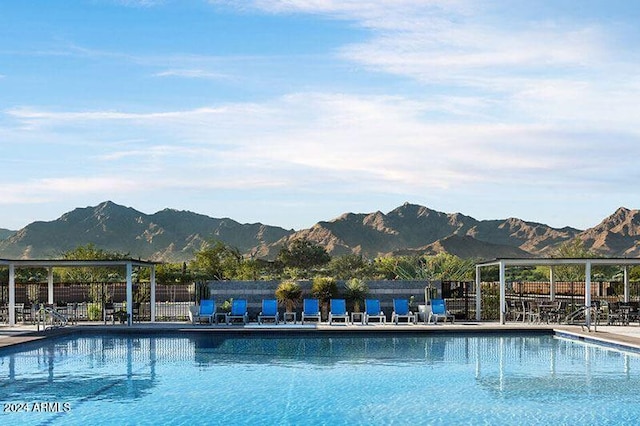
(305, 379)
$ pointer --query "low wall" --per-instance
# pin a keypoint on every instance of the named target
(255, 291)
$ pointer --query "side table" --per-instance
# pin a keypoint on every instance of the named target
(219, 315)
(289, 316)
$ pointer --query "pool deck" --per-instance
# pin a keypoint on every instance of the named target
(622, 336)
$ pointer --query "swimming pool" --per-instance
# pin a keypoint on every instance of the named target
(303, 379)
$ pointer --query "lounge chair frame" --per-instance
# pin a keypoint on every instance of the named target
(238, 311)
(372, 311)
(439, 310)
(338, 310)
(401, 310)
(269, 311)
(205, 310)
(310, 310)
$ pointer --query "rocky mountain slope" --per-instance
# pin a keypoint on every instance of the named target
(173, 235)
(415, 228)
(617, 234)
(5, 233)
(466, 247)
(169, 235)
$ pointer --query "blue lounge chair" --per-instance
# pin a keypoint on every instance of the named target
(439, 310)
(401, 310)
(372, 311)
(338, 310)
(206, 311)
(310, 309)
(238, 311)
(269, 311)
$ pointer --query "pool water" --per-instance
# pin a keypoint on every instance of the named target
(302, 379)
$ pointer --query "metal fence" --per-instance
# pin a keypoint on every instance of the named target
(86, 301)
(461, 299)
(570, 296)
(90, 301)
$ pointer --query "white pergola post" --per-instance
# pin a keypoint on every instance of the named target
(12, 294)
(478, 295)
(552, 283)
(50, 285)
(502, 293)
(626, 284)
(152, 298)
(129, 293)
(587, 292)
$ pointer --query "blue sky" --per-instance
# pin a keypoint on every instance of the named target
(289, 112)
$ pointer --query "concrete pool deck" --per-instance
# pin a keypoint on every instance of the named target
(625, 336)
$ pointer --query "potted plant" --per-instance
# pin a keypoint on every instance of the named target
(355, 290)
(226, 305)
(289, 293)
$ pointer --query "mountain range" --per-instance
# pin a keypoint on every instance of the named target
(174, 235)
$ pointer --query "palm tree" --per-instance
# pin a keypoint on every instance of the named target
(289, 293)
(324, 289)
(355, 291)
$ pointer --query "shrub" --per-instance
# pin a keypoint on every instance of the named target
(226, 305)
(94, 312)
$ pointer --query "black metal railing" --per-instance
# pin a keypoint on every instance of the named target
(88, 301)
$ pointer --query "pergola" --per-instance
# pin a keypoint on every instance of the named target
(503, 263)
(49, 264)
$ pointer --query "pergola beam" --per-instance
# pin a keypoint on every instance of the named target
(550, 261)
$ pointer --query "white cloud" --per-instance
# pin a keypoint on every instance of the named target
(531, 104)
(49, 189)
(376, 141)
(519, 68)
(310, 143)
(461, 55)
(192, 73)
(33, 117)
(430, 38)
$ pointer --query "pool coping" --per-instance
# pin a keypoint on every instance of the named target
(602, 338)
